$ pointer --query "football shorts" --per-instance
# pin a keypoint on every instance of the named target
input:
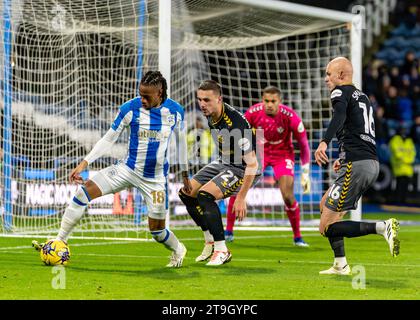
(228, 178)
(353, 179)
(120, 177)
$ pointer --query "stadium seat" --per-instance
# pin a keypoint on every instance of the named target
(415, 32)
(417, 161)
(383, 153)
(397, 43)
(416, 43)
(388, 54)
(401, 30)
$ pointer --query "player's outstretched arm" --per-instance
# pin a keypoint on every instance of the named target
(239, 207)
(321, 157)
(75, 173)
(181, 136)
(305, 180)
(103, 146)
(300, 135)
(337, 121)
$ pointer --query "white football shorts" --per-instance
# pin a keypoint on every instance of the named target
(120, 177)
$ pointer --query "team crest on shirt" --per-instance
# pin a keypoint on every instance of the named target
(171, 119)
(280, 129)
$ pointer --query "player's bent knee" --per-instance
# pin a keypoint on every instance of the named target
(82, 197)
(324, 230)
(186, 199)
(289, 200)
(204, 197)
(93, 189)
(156, 224)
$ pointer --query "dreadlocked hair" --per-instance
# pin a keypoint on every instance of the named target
(155, 78)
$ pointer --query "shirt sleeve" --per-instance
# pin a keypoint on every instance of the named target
(299, 133)
(181, 136)
(123, 118)
(339, 103)
(248, 116)
(104, 145)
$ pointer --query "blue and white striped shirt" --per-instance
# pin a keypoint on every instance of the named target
(150, 131)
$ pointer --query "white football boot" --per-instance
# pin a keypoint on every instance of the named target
(392, 226)
(346, 271)
(219, 257)
(299, 242)
(177, 257)
(206, 253)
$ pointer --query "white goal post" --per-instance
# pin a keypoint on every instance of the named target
(68, 65)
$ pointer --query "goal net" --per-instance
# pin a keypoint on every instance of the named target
(68, 65)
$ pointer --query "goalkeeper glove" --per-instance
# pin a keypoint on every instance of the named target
(305, 181)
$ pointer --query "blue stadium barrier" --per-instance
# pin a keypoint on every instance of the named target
(39, 174)
(41, 212)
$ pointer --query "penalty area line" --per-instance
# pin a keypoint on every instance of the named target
(244, 260)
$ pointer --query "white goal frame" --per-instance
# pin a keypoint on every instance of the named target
(166, 45)
(354, 20)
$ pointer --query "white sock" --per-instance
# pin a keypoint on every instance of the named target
(340, 262)
(167, 238)
(71, 217)
(380, 227)
(208, 236)
(220, 246)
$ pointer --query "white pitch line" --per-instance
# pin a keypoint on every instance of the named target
(254, 260)
(276, 261)
(151, 240)
(73, 245)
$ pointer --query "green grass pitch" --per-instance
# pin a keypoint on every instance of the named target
(265, 265)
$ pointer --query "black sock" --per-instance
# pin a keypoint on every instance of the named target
(194, 210)
(350, 229)
(337, 244)
(212, 215)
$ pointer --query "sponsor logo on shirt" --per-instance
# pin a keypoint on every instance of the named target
(357, 94)
(368, 139)
(151, 135)
(336, 93)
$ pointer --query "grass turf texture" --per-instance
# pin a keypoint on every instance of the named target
(265, 265)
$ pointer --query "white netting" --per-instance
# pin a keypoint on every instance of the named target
(75, 62)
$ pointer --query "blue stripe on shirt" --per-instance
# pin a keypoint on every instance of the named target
(134, 139)
(153, 146)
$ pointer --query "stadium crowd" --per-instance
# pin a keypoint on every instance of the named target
(392, 81)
